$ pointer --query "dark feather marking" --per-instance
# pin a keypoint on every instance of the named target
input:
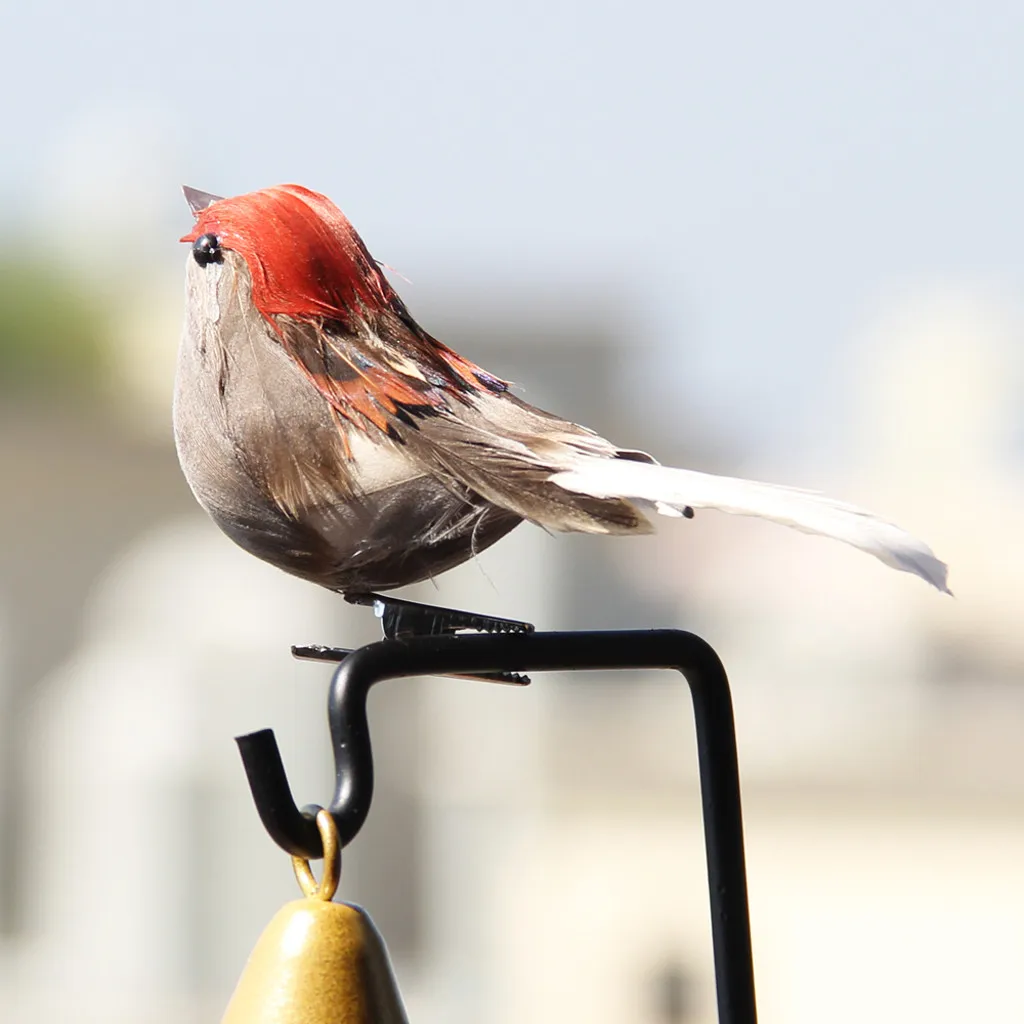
(405, 416)
(491, 383)
(630, 455)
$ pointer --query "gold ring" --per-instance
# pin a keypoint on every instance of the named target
(328, 885)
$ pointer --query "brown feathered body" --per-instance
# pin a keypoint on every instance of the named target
(327, 433)
(418, 462)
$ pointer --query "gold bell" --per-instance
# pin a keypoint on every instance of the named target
(318, 962)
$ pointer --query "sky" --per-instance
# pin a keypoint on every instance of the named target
(752, 182)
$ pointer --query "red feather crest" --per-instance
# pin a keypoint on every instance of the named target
(304, 257)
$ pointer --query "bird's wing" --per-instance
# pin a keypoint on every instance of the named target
(459, 422)
(371, 385)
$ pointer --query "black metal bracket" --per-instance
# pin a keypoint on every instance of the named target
(477, 655)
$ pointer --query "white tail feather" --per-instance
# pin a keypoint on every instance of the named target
(670, 490)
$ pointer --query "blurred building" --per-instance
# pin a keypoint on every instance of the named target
(531, 854)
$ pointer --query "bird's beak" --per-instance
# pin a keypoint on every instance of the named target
(197, 200)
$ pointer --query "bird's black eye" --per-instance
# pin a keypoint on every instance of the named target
(206, 249)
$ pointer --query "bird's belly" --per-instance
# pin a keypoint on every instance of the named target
(399, 534)
(399, 525)
(383, 523)
(404, 533)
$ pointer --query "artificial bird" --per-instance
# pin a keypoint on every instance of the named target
(327, 433)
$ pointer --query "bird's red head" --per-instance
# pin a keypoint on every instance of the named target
(304, 257)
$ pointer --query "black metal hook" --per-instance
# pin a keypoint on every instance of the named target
(295, 830)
